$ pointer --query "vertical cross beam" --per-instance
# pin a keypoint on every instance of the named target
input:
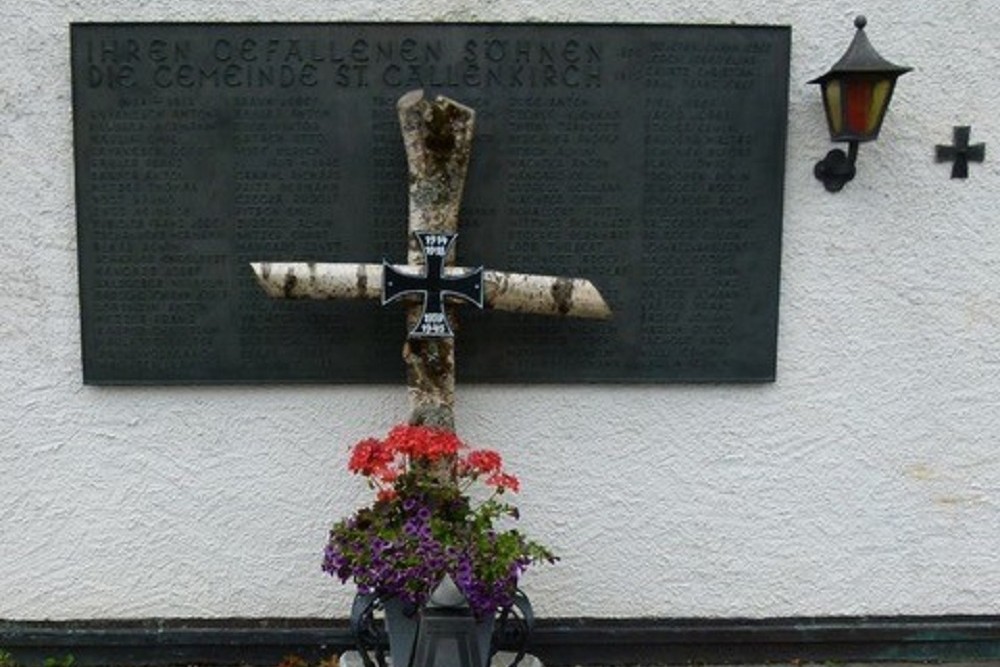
(961, 152)
(437, 135)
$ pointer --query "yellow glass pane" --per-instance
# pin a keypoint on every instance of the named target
(879, 95)
(833, 106)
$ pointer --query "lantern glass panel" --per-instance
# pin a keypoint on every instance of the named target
(856, 105)
(834, 106)
(880, 102)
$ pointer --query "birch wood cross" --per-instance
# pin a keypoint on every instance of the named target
(437, 135)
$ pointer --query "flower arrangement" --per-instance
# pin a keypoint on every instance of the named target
(435, 513)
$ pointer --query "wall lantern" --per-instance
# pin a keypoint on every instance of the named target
(856, 93)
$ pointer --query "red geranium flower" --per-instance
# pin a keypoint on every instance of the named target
(504, 482)
(484, 461)
(423, 442)
(370, 457)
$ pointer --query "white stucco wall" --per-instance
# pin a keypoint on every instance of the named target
(864, 481)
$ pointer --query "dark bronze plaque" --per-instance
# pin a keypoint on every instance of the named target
(648, 158)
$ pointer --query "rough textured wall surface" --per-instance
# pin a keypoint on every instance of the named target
(864, 481)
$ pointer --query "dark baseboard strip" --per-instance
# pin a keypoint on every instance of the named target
(556, 641)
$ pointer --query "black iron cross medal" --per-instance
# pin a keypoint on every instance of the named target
(433, 286)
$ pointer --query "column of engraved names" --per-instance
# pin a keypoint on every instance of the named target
(387, 220)
(150, 295)
(695, 217)
(286, 183)
(388, 206)
(565, 210)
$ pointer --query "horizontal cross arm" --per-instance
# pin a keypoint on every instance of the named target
(544, 295)
(512, 292)
(310, 280)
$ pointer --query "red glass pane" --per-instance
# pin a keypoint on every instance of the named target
(857, 105)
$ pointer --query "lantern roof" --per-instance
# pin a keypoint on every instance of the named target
(861, 57)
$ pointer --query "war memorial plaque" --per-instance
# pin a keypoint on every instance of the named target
(647, 158)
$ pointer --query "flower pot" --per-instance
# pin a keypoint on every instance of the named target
(402, 631)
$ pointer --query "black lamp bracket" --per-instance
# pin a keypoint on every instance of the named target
(837, 168)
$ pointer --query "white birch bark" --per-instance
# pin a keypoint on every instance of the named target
(437, 136)
(510, 292)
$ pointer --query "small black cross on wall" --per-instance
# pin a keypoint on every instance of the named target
(433, 286)
(962, 153)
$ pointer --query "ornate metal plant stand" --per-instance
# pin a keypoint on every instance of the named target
(511, 632)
